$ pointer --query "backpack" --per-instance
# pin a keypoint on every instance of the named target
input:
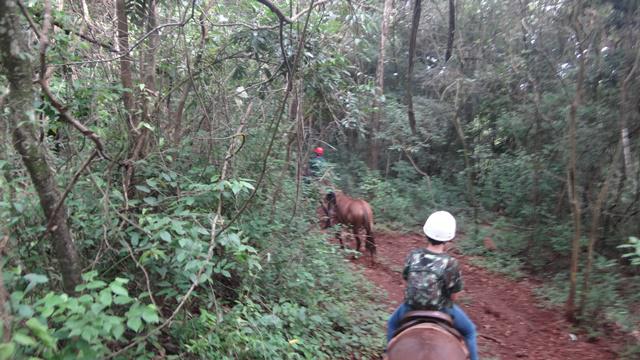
(426, 284)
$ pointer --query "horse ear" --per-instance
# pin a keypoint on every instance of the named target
(331, 197)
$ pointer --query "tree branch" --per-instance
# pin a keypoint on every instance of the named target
(275, 10)
(421, 172)
(138, 42)
(25, 13)
(64, 115)
(72, 183)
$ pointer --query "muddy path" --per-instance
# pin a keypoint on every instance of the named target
(511, 322)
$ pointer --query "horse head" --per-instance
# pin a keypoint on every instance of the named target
(328, 206)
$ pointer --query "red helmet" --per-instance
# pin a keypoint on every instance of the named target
(319, 151)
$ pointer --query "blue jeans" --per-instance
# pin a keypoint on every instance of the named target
(461, 322)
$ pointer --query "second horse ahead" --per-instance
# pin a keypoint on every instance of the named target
(356, 214)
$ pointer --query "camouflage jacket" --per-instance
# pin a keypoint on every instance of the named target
(431, 280)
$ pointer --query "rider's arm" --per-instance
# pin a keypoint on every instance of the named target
(454, 280)
(407, 264)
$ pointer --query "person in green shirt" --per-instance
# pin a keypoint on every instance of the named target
(317, 163)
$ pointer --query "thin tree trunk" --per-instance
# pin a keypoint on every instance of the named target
(149, 78)
(534, 219)
(471, 192)
(417, 9)
(125, 61)
(177, 121)
(574, 197)
(452, 29)
(18, 70)
(376, 116)
(596, 213)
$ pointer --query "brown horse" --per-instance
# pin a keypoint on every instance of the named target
(339, 208)
(427, 335)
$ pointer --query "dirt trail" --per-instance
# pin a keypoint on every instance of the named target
(511, 322)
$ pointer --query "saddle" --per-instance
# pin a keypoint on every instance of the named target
(427, 335)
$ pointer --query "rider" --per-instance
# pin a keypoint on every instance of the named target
(434, 280)
(317, 163)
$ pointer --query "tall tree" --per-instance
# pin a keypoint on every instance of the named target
(376, 116)
(125, 60)
(572, 182)
(17, 67)
(452, 29)
(415, 23)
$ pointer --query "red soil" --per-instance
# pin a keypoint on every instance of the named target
(511, 322)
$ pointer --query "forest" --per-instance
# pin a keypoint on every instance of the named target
(157, 202)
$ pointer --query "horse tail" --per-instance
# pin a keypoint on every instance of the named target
(370, 243)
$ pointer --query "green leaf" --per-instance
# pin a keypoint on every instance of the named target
(134, 323)
(105, 297)
(96, 284)
(34, 279)
(25, 310)
(7, 350)
(118, 289)
(121, 300)
(135, 238)
(150, 315)
(164, 235)
(24, 339)
(143, 188)
(88, 276)
(41, 331)
(176, 226)
(117, 330)
(86, 299)
(121, 281)
(236, 187)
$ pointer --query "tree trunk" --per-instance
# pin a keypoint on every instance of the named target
(469, 167)
(376, 116)
(596, 213)
(148, 65)
(417, 9)
(574, 197)
(18, 70)
(452, 29)
(125, 61)
(177, 121)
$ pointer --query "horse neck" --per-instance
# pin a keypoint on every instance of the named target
(341, 197)
(341, 201)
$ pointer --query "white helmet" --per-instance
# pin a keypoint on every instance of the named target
(440, 226)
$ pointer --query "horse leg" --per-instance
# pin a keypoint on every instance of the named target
(339, 237)
(370, 245)
(356, 235)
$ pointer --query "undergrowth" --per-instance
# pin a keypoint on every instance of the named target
(274, 288)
